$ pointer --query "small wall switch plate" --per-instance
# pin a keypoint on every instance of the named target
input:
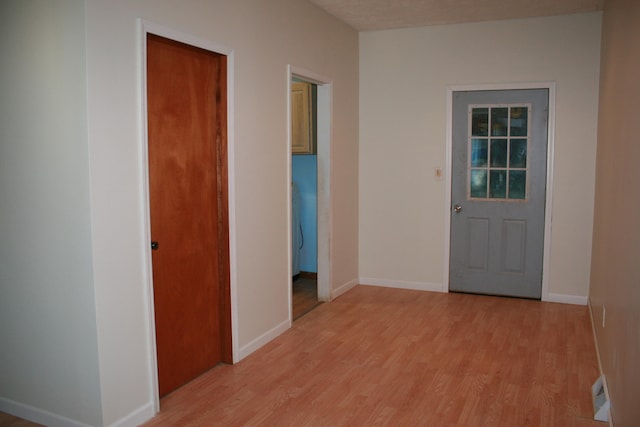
(438, 174)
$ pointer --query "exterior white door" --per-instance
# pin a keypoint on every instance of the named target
(498, 191)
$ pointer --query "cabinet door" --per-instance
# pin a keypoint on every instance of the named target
(302, 140)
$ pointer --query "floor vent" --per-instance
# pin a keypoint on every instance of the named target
(600, 401)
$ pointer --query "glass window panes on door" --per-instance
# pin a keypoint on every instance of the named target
(498, 147)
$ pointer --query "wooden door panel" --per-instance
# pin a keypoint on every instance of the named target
(184, 91)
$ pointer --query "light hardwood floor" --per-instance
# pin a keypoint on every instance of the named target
(7, 420)
(390, 357)
(304, 296)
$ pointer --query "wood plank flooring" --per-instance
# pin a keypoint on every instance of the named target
(305, 296)
(391, 357)
(7, 420)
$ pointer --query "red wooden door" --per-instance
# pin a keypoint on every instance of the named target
(186, 102)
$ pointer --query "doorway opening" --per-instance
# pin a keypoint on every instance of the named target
(512, 228)
(304, 197)
(187, 339)
(309, 172)
(187, 128)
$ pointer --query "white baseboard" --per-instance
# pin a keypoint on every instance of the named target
(401, 284)
(438, 287)
(263, 339)
(37, 415)
(344, 288)
(566, 299)
(137, 417)
(284, 326)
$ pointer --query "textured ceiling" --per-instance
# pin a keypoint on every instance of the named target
(364, 15)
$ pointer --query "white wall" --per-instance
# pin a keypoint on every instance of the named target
(615, 273)
(73, 304)
(403, 82)
(48, 344)
(265, 37)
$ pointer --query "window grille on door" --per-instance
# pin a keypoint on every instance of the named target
(498, 145)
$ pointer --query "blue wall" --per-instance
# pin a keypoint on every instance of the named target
(305, 176)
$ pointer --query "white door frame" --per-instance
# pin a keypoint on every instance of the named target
(146, 27)
(551, 86)
(324, 138)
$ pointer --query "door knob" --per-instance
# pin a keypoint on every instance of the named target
(154, 246)
(457, 208)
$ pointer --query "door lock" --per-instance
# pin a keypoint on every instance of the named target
(457, 208)
(154, 245)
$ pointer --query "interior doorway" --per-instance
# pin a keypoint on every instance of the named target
(450, 206)
(498, 191)
(309, 173)
(186, 106)
(304, 197)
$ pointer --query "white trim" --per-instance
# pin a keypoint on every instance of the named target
(37, 415)
(551, 130)
(231, 184)
(447, 188)
(264, 339)
(153, 28)
(137, 417)
(310, 76)
(170, 33)
(325, 189)
(324, 194)
(401, 284)
(144, 178)
(567, 299)
(289, 162)
(344, 288)
(548, 214)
